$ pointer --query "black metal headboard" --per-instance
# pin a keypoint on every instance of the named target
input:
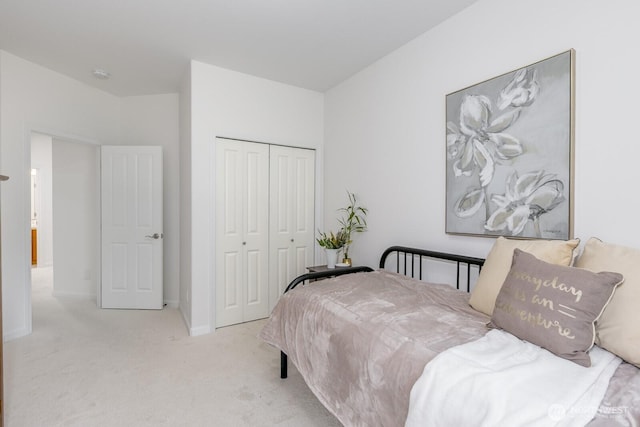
(409, 262)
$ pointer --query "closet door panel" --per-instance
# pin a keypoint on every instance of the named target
(280, 233)
(242, 231)
(303, 187)
(256, 235)
(279, 273)
(292, 235)
(232, 269)
(229, 172)
(304, 207)
(280, 183)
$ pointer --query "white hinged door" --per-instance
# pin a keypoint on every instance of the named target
(131, 227)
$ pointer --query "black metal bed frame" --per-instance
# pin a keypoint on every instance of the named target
(315, 276)
(406, 260)
(410, 255)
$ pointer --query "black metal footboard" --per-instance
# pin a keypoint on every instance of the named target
(305, 278)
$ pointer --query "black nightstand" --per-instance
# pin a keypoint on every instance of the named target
(317, 268)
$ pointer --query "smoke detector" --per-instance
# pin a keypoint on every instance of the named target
(101, 74)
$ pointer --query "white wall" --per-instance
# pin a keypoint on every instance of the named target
(185, 197)
(33, 98)
(235, 105)
(41, 159)
(385, 126)
(76, 218)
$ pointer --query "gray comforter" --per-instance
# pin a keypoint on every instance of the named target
(360, 341)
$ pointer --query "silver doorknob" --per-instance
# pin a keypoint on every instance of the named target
(155, 236)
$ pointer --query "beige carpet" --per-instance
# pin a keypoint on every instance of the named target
(83, 366)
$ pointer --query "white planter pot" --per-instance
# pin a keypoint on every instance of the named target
(332, 257)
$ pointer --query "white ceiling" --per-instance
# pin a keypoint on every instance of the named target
(146, 45)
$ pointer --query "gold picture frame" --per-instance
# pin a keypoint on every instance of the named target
(510, 153)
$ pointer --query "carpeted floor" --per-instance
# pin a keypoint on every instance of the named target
(83, 366)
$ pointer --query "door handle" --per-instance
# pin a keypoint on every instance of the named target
(155, 236)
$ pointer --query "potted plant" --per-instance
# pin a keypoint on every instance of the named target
(352, 221)
(332, 243)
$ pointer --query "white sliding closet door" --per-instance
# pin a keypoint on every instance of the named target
(242, 236)
(291, 216)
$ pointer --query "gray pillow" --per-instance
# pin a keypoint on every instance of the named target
(553, 306)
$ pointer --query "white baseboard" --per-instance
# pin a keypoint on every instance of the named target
(185, 320)
(172, 303)
(194, 332)
(200, 330)
(12, 335)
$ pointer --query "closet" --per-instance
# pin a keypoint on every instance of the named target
(264, 227)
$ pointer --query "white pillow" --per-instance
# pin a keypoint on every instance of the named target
(498, 264)
(618, 329)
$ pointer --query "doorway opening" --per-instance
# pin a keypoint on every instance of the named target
(65, 217)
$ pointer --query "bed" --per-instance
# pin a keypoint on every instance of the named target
(364, 339)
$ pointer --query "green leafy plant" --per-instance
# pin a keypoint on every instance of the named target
(353, 221)
(332, 241)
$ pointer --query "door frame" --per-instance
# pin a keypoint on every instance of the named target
(55, 134)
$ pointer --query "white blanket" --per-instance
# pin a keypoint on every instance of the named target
(500, 380)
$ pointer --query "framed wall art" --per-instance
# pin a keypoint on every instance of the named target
(510, 153)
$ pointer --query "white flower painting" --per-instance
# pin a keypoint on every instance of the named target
(509, 153)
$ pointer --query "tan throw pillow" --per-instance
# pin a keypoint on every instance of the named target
(619, 328)
(498, 263)
(553, 306)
